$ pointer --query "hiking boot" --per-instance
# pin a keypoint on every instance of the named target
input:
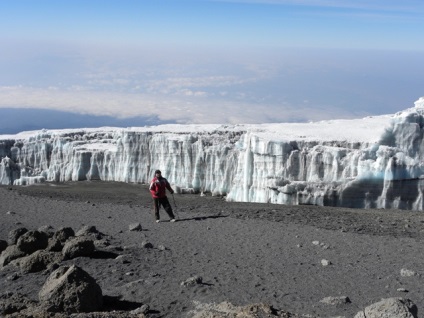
(172, 220)
(157, 221)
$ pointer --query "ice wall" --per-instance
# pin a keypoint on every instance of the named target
(374, 162)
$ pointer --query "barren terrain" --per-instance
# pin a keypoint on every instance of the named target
(245, 253)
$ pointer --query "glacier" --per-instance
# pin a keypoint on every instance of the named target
(373, 162)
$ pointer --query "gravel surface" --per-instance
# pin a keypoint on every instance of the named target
(290, 257)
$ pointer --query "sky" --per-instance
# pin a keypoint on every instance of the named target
(75, 64)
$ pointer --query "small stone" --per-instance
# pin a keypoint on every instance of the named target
(130, 247)
(325, 262)
(87, 230)
(402, 290)
(14, 276)
(407, 273)
(315, 242)
(135, 227)
(140, 310)
(162, 248)
(129, 273)
(146, 244)
(124, 259)
(192, 281)
(10, 213)
(335, 301)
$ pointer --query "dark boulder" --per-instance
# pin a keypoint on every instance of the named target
(9, 254)
(78, 246)
(32, 241)
(38, 261)
(63, 234)
(70, 289)
(15, 234)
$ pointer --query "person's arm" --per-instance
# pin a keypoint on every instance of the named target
(168, 186)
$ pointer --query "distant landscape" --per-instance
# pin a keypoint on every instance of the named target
(36, 119)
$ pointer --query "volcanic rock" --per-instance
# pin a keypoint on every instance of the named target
(15, 234)
(390, 307)
(87, 230)
(71, 289)
(63, 234)
(32, 241)
(9, 254)
(39, 261)
(78, 246)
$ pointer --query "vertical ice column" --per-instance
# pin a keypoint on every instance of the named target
(247, 169)
(9, 171)
(389, 175)
(198, 181)
(419, 202)
(81, 165)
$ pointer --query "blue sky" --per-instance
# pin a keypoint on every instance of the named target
(241, 61)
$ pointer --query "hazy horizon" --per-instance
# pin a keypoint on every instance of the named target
(229, 62)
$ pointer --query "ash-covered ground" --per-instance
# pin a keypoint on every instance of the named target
(245, 252)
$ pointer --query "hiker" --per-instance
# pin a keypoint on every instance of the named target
(157, 188)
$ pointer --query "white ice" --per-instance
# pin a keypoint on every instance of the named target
(370, 162)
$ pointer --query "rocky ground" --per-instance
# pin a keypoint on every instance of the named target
(220, 257)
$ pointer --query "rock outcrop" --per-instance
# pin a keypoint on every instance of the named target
(78, 246)
(390, 308)
(32, 241)
(70, 289)
(38, 261)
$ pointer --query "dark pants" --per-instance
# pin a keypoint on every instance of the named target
(165, 203)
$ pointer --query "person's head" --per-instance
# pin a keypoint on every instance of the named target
(158, 173)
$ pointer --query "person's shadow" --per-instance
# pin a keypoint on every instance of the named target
(202, 218)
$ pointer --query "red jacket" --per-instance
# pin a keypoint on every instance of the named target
(158, 187)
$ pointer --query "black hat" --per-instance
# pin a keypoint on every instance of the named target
(158, 171)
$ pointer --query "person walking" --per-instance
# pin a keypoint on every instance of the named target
(157, 188)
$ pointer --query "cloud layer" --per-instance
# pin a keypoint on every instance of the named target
(187, 108)
(219, 86)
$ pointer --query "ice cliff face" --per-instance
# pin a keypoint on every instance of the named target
(371, 162)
